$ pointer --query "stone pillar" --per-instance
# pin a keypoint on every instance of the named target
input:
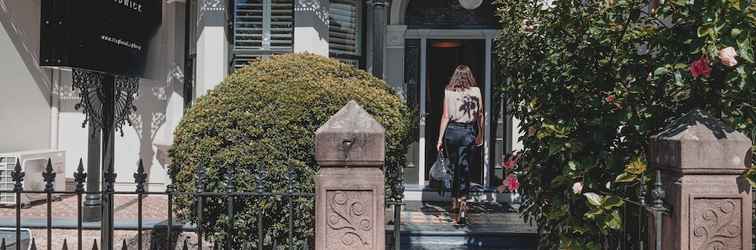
(701, 162)
(349, 194)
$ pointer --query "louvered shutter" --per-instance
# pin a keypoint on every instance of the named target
(345, 25)
(248, 24)
(261, 28)
(282, 25)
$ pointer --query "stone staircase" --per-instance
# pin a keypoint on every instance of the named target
(429, 225)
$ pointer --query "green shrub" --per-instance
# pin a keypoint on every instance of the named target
(261, 121)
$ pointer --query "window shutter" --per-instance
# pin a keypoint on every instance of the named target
(261, 28)
(282, 24)
(344, 31)
(248, 24)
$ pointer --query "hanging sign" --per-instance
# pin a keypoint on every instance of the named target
(110, 36)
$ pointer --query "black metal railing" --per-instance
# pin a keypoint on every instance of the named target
(641, 216)
(165, 234)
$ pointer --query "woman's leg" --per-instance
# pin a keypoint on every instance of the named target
(464, 154)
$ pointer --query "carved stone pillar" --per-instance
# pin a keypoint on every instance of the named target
(349, 195)
(701, 162)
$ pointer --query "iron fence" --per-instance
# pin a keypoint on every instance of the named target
(165, 235)
(641, 220)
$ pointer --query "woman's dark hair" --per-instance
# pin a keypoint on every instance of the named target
(462, 79)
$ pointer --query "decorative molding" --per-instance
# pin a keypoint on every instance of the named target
(395, 36)
(716, 223)
(349, 219)
(213, 5)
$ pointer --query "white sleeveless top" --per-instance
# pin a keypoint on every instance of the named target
(464, 105)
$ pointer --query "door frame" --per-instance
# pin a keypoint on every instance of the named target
(478, 34)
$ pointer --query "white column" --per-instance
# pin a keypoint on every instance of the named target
(394, 69)
(423, 90)
(487, 102)
(212, 48)
(311, 26)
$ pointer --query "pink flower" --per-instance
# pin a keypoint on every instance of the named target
(700, 67)
(512, 183)
(727, 56)
(577, 188)
(510, 161)
(610, 98)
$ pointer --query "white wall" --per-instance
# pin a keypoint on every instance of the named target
(33, 118)
(24, 88)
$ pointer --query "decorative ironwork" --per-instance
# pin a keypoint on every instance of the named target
(92, 97)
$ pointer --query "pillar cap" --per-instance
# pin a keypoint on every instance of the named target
(699, 144)
(351, 137)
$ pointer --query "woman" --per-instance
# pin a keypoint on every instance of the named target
(461, 128)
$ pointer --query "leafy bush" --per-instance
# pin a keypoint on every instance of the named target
(261, 121)
(592, 80)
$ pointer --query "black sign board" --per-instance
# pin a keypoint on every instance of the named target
(109, 36)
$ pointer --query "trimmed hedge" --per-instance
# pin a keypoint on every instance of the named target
(261, 121)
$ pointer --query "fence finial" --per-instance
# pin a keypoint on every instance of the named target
(140, 177)
(80, 176)
(18, 177)
(49, 177)
(110, 177)
(65, 244)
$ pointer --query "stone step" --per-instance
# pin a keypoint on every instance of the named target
(482, 237)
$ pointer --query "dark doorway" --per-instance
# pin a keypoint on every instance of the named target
(443, 57)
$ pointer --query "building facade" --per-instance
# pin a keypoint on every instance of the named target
(412, 44)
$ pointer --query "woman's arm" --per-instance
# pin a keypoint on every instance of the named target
(442, 125)
(481, 122)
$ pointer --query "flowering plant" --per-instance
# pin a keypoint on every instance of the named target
(592, 80)
(510, 182)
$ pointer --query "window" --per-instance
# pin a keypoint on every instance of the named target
(344, 33)
(261, 28)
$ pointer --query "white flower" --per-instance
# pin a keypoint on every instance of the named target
(577, 188)
(727, 56)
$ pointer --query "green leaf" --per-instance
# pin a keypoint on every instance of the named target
(735, 32)
(745, 50)
(612, 202)
(704, 30)
(593, 198)
(751, 176)
(593, 213)
(625, 178)
(661, 71)
(615, 221)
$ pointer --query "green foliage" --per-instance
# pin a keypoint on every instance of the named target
(261, 121)
(592, 80)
